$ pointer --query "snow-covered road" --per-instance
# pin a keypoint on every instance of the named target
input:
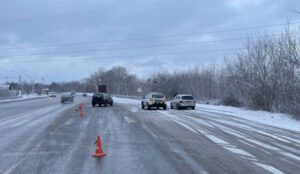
(43, 136)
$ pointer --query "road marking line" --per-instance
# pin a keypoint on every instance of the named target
(269, 168)
(291, 156)
(129, 120)
(69, 122)
(133, 109)
(185, 125)
(289, 162)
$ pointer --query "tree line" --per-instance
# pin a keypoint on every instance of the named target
(263, 76)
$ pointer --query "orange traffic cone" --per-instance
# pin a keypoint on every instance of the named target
(80, 106)
(99, 152)
(81, 113)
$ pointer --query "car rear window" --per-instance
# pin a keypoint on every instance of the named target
(98, 95)
(187, 98)
(158, 96)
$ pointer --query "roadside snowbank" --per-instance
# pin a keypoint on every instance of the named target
(280, 120)
(24, 97)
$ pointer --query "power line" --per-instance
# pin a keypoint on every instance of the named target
(114, 49)
(155, 37)
(138, 47)
(130, 56)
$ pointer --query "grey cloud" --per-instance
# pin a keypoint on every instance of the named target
(92, 21)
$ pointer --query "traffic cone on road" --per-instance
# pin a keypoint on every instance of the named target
(81, 110)
(81, 113)
(80, 106)
(99, 152)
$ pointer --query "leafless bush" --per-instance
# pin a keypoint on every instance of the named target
(264, 75)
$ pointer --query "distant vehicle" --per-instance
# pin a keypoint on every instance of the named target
(101, 89)
(52, 94)
(183, 101)
(154, 99)
(73, 93)
(45, 91)
(84, 94)
(102, 99)
(66, 97)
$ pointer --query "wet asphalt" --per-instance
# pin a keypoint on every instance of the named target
(44, 136)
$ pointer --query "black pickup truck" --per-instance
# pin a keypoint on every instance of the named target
(102, 99)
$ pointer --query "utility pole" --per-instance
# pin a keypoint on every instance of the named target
(20, 83)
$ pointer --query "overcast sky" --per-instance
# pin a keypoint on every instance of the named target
(63, 40)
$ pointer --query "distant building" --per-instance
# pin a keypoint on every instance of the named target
(5, 91)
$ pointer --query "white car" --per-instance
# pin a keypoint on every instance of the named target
(183, 101)
(52, 94)
(154, 99)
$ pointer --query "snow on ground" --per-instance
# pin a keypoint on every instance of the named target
(126, 100)
(284, 121)
(24, 97)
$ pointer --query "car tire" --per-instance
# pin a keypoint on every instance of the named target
(193, 107)
(178, 107)
(143, 107)
(165, 107)
(148, 107)
(172, 107)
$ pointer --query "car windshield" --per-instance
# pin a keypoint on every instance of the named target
(188, 97)
(158, 96)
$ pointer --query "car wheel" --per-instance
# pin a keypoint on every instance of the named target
(157, 107)
(193, 107)
(165, 107)
(148, 107)
(143, 107)
(172, 107)
(93, 105)
(178, 107)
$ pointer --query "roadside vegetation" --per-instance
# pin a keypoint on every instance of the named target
(264, 76)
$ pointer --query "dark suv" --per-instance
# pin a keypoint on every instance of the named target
(102, 99)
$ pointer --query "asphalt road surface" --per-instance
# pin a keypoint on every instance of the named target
(44, 136)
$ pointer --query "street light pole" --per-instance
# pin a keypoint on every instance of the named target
(20, 85)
